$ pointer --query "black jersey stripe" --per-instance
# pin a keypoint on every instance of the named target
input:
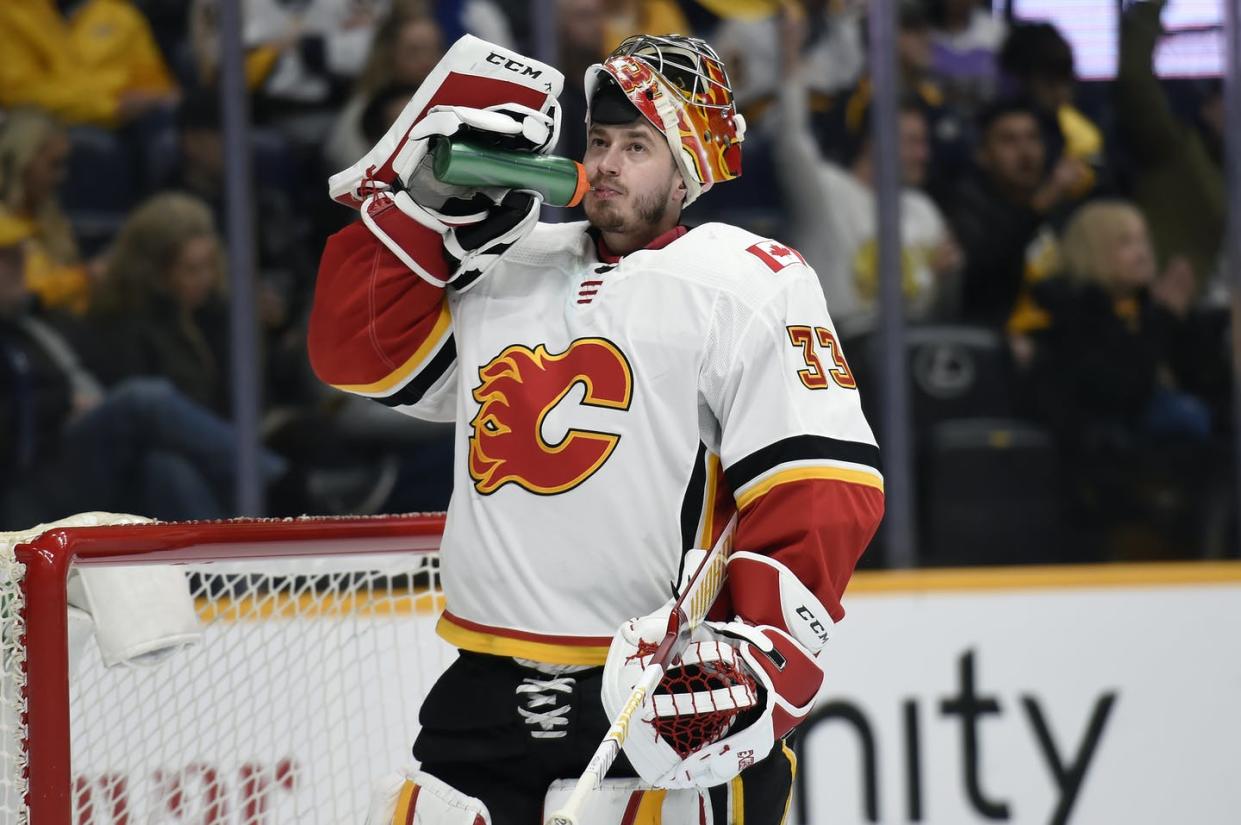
(692, 503)
(800, 448)
(412, 392)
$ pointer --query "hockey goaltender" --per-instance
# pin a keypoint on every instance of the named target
(621, 387)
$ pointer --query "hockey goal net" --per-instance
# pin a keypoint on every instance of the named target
(316, 647)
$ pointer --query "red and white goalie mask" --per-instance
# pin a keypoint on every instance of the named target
(680, 86)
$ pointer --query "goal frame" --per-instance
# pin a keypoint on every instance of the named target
(50, 556)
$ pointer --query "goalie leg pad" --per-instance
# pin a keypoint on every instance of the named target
(412, 797)
(625, 801)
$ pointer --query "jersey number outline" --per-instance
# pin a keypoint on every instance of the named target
(814, 377)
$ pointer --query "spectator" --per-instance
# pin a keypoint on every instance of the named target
(95, 64)
(966, 37)
(1113, 327)
(582, 30)
(1178, 178)
(833, 215)
(406, 47)
(280, 235)
(999, 216)
(1109, 368)
(67, 445)
(487, 19)
(1037, 63)
(626, 18)
(301, 56)
(34, 153)
(384, 108)
(833, 54)
(947, 129)
(160, 309)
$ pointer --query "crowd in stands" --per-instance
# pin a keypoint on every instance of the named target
(1061, 253)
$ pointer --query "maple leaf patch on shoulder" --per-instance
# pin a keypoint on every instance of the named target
(775, 255)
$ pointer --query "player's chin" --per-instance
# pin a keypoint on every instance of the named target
(604, 214)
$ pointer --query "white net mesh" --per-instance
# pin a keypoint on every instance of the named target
(304, 688)
(12, 683)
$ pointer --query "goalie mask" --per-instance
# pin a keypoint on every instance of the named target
(680, 86)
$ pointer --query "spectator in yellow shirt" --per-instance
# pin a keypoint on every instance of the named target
(34, 152)
(96, 64)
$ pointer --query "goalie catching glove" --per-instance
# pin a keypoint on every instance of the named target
(739, 687)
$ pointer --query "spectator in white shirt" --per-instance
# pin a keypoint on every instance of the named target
(833, 212)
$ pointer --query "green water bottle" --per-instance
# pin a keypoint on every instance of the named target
(561, 181)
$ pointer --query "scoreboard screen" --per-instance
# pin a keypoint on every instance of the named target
(1192, 47)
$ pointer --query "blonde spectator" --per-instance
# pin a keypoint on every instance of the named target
(1117, 327)
(1106, 243)
(99, 65)
(1117, 375)
(34, 151)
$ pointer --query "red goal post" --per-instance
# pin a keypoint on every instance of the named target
(280, 578)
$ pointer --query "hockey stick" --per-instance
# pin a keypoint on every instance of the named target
(687, 613)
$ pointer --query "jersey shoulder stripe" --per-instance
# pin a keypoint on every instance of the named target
(425, 378)
(805, 456)
(801, 472)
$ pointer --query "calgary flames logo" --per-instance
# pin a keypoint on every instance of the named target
(518, 389)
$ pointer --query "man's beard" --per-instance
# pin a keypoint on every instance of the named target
(650, 210)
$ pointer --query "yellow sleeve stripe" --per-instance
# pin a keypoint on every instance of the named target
(399, 376)
(404, 813)
(714, 475)
(850, 476)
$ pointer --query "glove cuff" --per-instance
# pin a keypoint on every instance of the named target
(410, 233)
(765, 592)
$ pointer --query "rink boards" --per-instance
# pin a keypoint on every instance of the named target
(1025, 696)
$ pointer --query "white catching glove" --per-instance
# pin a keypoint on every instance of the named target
(703, 731)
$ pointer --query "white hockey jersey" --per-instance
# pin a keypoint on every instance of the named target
(610, 414)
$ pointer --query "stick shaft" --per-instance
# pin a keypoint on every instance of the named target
(608, 749)
(689, 610)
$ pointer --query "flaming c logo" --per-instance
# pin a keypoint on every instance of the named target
(518, 388)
